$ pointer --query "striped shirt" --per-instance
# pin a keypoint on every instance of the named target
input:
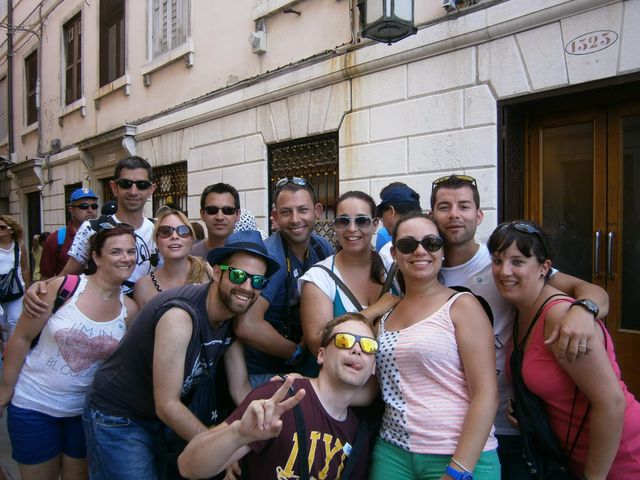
(424, 386)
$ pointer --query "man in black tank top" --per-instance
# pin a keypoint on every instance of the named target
(177, 337)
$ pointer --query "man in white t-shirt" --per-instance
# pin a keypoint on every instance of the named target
(455, 204)
(132, 186)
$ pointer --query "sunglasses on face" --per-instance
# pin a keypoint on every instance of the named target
(165, 231)
(5, 227)
(464, 178)
(431, 243)
(238, 277)
(127, 184)
(528, 228)
(301, 182)
(226, 210)
(362, 222)
(86, 206)
(348, 340)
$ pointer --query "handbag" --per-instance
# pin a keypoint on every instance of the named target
(544, 456)
(10, 285)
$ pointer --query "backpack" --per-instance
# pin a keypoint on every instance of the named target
(62, 233)
(66, 290)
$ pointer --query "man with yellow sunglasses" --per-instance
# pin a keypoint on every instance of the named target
(264, 428)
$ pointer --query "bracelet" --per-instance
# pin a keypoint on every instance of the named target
(464, 469)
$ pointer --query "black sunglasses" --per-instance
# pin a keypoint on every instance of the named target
(465, 178)
(86, 206)
(431, 243)
(165, 231)
(342, 222)
(239, 276)
(5, 227)
(301, 182)
(127, 184)
(226, 210)
(529, 228)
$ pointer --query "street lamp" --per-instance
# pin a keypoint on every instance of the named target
(386, 21)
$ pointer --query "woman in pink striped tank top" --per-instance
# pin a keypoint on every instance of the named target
(436, 369)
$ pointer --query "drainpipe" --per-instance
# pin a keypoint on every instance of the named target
(11, 146)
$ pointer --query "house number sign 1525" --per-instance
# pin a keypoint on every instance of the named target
(591, 42)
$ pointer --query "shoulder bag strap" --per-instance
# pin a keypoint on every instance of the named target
(67, 288)
(340, 284)
(16, 261)
(389, 280)
(303, 457)
(520, 345)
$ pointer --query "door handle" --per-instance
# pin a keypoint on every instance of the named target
(596, 253)
(610, 254)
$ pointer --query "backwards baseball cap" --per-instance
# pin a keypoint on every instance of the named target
(79, 193)
(401, 195)
(247, 241)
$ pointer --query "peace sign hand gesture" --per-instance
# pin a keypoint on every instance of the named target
(261, 420)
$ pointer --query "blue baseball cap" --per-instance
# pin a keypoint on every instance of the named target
(79, 193)
(247, 241)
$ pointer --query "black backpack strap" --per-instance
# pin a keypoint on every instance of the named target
(340, 284)
(303, 457)
(358, 444)
(485, 305)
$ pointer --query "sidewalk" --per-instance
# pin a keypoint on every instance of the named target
(7, 466)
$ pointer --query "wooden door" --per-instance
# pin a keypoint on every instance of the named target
(582, 176)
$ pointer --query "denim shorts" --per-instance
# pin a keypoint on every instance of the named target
(37, 437)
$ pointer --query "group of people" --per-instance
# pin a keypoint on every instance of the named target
(297, 333)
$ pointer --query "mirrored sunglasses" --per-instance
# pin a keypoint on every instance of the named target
(86, 206)
(301, 182)
(165, 231)
(226, 210)
(465, 178)
(127, 184)
(239, 276)
(348, 340)
(342, 222)
(431, 243)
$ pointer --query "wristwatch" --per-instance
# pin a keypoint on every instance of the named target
(296, 356)
(458, 475)
(589, 305)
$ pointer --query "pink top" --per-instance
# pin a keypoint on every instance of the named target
(546, 378)
(424, 386)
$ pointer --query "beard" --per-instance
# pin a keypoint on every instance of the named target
(233, 304)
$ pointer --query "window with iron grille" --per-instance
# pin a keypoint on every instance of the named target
(112, 40)
(316, 160)
(31, 78)
(73, 59)
(68, 190)
(171, 186)
(169, 25)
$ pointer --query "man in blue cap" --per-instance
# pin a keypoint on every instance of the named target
(176, 339)
(83, 206)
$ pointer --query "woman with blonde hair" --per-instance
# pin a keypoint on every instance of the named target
(12, 255)
(174, 236)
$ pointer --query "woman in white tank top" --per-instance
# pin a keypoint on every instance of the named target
(46, 384)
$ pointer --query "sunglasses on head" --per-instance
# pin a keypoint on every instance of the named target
(226, 210)
(111, 226)
(464, 178)
(529, 228)
(5, 227)
(342, 222)
(348, 340)
(239, 276)
(431, 243)
(127, 184)
(301, 182)
(86, 206)
(165, 231)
